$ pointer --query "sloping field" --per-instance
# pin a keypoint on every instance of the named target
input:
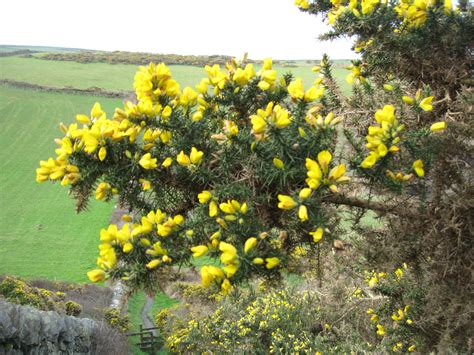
(118, 76)
(41, 236)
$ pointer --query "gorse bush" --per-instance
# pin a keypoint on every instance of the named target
(121, 57)
(249, 194)
(275, 322)
(255, 171)
(117, 321)
(225, 173)
(20, 292)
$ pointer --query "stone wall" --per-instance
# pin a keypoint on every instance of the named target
(27, 330)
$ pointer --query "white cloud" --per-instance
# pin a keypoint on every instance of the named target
(263, 28)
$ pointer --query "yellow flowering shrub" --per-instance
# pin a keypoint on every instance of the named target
(176, 151)
(21, 292)
(117, 321)
(155, 155)
(395, 318)
(284, 321)
(251, 171)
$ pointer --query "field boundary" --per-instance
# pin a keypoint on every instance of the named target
(17, 53)
(92, 91)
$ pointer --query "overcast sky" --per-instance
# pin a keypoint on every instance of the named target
(263, 28)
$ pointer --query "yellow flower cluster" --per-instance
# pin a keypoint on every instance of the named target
(382, 139)
(217, 77)
(424, 103)
(57, 169)
(104, 191)
(96, 132)
(399, 177)
(297, 92)
(194, 158)
(319, 173)
(316, 120)
(153, 81)
(146, 237)
(355, 74)
(302, 4)
(400, 316)
(243, 76)
(414, 12)
(267, 75)
(358, 8)
(239, 75)
(274, 116)
(229, 211)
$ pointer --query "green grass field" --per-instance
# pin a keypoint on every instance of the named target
(118, 76)
(41, 236)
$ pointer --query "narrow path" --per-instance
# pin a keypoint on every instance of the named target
(145, 313)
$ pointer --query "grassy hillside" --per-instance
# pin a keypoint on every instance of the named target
(117, 76)
(41, 236)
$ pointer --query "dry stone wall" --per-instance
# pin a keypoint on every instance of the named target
(27, 330)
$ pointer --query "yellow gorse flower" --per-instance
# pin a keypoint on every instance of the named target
(229, 253)
(413, 12)
(408, 100)
(211, 274)
(199, 250)
(102, 191)
(195, 157)
(96, 275)
(438, 126)
(382, 139)
(230, 207)
(267, 75)
(418, 167)
(400, 177)
(250, 244)
(243, 76)
(319, 121)
(355, 75)
(147, 162)
(425, 104)
(278, 163)
(317, 235)
(217, 77)
(188, 97)
(204, 196)
(297, 92)
(305, 193)
(286, 202)
(302, 4)
(153, 264)
(271, 263)
(303, 213)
